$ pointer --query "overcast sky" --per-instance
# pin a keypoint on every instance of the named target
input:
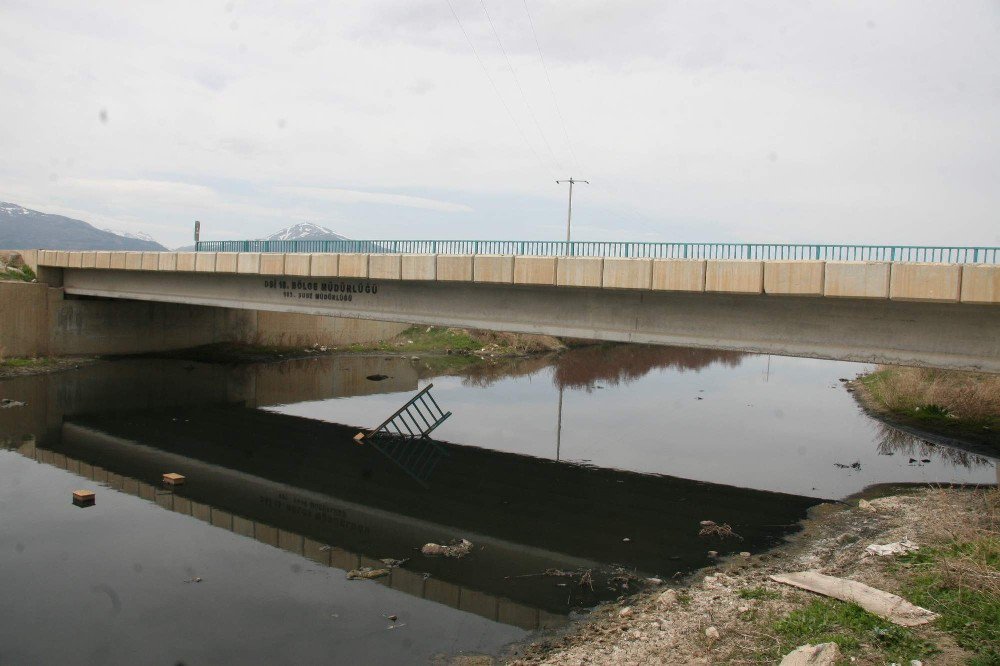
(864, 122)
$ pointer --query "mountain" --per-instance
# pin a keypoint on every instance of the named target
(305, 231)
(22, 229)
(128, 234)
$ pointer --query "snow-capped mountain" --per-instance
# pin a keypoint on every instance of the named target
(24, 228)
(138, 235)
(305, 231)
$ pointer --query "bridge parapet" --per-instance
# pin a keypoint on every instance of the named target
(905, 281)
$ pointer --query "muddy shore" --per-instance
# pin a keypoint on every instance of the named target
(728, 614)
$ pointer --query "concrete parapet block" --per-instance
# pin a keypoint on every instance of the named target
(627, 273)
(794, 278)
(493, 268)
(579, 271)
(46, 258)
(117, 261)
(89, 260)
(168, 261)
(385, 266)
(186, 261)
(981, 284)
(102, 260)
(418, 267)
(733, 276)
(324, 265)
(150, 261)
(535, 270)
(205, 262)
(62, 259)
(856, 279)
(454, 267)
(272, 263)
(75, 260)
(679, 274)
(297, 264)
(133, 261)
(227, 262)
(925, 282)
(353, 265)
(248, 262)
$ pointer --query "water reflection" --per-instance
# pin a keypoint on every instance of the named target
(663, 439)
(892, 441)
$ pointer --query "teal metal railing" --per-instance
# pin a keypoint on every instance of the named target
(911, 253)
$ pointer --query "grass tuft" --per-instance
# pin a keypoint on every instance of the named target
(851, 627)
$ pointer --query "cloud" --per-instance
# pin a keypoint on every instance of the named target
(337, 195)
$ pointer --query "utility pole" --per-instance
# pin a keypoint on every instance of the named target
(569, 215)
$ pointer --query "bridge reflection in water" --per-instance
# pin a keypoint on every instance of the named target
(304, 486)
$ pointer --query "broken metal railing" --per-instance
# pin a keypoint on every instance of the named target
(404, 439)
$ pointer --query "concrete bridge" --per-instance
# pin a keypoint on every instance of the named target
(931, 314)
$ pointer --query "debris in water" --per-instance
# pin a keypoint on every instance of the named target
(7, 403)
(626, 540)
(459, 548)
(723, 531)
(377, 377)
(174, 479)
(854, 465)
(391, 563)
(366, 573)
(83, 498)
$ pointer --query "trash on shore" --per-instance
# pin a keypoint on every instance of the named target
(7, 403)
(865, 505)
(822, 654)
(888, 606)
(895, 548)
(459, 548)
(366, 573)
(854, 465)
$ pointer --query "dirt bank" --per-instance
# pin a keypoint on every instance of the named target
(735, 614)
(964, 406)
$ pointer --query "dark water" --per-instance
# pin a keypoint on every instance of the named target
(601, 461)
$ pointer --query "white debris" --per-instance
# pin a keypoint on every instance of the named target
(824, 654)
(457, 549)
(896, 548)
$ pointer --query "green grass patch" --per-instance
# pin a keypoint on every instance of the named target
(759, 592)
(422, 339)
(960, 582)
(24, 274)
(851, 627)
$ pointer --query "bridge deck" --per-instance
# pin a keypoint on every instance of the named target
(929, 282)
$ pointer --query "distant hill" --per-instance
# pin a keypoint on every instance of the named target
(22, 229)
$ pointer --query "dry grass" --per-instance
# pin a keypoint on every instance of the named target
(973, 397)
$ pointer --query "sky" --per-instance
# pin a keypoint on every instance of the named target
(850, 122)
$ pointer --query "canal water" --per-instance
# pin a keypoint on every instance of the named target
(576, 477)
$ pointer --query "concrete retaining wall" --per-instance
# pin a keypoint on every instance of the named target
(35, 320)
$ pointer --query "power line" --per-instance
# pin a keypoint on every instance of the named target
(531, 112)
(555, 101)
(497, 90)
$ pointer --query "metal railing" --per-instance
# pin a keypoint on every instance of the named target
(910, 253)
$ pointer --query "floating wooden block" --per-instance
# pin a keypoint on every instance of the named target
(173, 479)
(84, 497)
(360, 436)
